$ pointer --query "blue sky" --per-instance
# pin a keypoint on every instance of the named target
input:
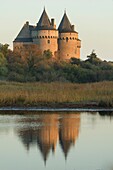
(93, 20)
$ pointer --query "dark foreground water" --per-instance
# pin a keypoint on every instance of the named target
(56, 141)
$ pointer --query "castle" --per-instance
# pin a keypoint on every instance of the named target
(62, 42)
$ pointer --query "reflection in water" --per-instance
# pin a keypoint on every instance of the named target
(47, 130)
(44, 134)
(68, 132)
(106, 113)
(48, 134)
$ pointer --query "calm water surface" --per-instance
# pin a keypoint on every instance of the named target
(56, 141)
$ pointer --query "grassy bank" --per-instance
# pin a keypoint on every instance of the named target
(54, 94)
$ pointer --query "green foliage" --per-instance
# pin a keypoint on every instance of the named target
(105, 103)
(3, 65)
(3, 60)
(93, 59)
(36, 67)
(3, 72)
(4, 49)
(13, 76)
(75, 61)
(47, 54)
(45, 69)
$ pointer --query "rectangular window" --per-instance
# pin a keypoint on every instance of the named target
(48, 41)
(66, 39)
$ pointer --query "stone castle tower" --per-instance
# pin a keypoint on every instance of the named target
(62, 42)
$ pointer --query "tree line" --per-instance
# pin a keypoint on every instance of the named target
(32, 66)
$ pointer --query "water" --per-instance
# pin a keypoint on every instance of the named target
(56, 141)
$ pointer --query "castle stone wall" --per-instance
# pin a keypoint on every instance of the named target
(18, 46)
(68, 47)
(46, 39)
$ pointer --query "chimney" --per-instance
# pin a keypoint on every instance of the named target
(27, 23)
(73, 27)
(52, 22)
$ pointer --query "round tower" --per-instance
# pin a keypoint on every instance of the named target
(68, 43)
(45, 34)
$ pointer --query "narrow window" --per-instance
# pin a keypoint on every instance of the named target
(48, 41)
(66, 39)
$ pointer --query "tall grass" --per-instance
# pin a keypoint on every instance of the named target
(33, 94)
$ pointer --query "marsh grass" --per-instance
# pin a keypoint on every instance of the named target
(33, 94)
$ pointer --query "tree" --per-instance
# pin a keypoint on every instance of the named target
(47, 54)
(4, 49)
(92, 58)
(3, 65)
(74, 60)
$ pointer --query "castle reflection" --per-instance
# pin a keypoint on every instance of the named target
(45, 130)
(68, 131)
(48, 134)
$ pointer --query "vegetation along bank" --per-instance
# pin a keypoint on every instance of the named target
(39, 80)
(56, 94)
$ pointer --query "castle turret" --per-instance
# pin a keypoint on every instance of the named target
(45, 34)
(69, 44)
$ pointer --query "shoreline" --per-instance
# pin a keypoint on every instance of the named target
(56, 107)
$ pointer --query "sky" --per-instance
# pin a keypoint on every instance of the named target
(93, 20)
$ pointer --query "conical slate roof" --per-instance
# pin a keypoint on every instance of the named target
(25, 34)
(44, 22)
(65, 25)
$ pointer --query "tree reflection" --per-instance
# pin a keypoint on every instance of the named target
(106, 113)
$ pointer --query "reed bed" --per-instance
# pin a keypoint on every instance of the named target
(33, 94)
